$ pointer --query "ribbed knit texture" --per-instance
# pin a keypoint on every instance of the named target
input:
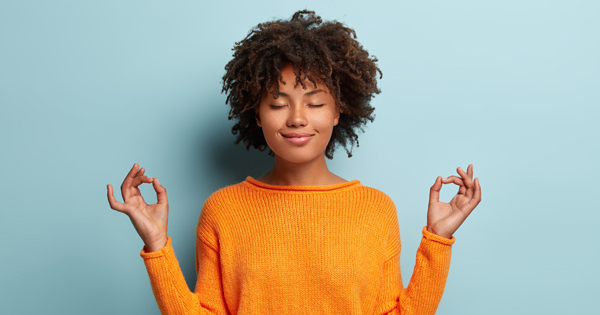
(264, 249)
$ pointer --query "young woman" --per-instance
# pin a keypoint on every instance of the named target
(299, 239)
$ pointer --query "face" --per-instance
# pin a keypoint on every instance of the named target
(298, 124)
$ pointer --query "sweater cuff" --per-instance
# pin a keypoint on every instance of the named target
(159, 253)
(434, 237)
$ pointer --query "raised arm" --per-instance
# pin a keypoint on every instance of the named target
(172, 294)
(426, 287)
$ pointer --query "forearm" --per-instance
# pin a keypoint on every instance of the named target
(426, 287)
(170, 289)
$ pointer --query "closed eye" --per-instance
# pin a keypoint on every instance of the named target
(316, 105)
(277, 106)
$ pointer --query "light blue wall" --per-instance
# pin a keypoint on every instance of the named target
(89, 88)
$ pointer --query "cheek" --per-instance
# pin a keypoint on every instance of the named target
(270, 122)
(325, 122)
(271, 125)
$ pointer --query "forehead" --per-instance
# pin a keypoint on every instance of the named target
(288, 82)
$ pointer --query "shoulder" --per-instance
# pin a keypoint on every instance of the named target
(378, 203)
(375, 196)
(218, 206)
(386, 213)
(225, 196)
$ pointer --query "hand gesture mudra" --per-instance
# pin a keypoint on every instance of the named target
(443, 218)
(150, 221)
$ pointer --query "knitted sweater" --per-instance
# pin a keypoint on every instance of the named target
(265, 249)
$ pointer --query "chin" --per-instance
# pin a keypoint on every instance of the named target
(299, 157)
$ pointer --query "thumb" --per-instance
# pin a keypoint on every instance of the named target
(434, 192)
(161, 193)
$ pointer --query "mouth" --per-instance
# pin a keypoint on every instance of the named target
(298, 138)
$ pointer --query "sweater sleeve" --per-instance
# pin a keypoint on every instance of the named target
(424, 291)
(172, 293)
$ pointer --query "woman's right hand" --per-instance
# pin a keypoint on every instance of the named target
(150, 221)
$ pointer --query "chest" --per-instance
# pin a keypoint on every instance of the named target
(289, 251)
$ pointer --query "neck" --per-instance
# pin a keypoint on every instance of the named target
(312, 173)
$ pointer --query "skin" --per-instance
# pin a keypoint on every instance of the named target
(150, 221)
(444, 218)
(294, 111)
(311, 110)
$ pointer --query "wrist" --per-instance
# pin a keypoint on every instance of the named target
(156, 245)
(438, 233)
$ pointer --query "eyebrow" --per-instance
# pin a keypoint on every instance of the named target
(313, 92)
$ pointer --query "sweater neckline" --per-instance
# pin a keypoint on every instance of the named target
(335, 187)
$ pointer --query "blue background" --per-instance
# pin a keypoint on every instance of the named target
(89, 88)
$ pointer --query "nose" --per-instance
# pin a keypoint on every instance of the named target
(297, 117)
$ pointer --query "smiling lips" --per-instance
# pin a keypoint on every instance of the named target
(298, 138)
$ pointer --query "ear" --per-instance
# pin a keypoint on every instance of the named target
(257, 116)
(336, 119)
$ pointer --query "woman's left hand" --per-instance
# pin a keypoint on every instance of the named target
(443, 218)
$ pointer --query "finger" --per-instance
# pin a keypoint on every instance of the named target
(125, 191)
(477, 195)
(139, 180)
(470, 174)
(468, 182)
(161, 193)
(134, 189)
(140, 173)
(114, 204)
(465, 177)
(453, 179)
(456, 180)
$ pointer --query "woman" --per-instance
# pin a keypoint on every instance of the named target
(300, 239)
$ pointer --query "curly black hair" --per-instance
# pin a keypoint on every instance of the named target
(325, 52)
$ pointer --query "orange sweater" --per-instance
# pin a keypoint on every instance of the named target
(264, 249)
